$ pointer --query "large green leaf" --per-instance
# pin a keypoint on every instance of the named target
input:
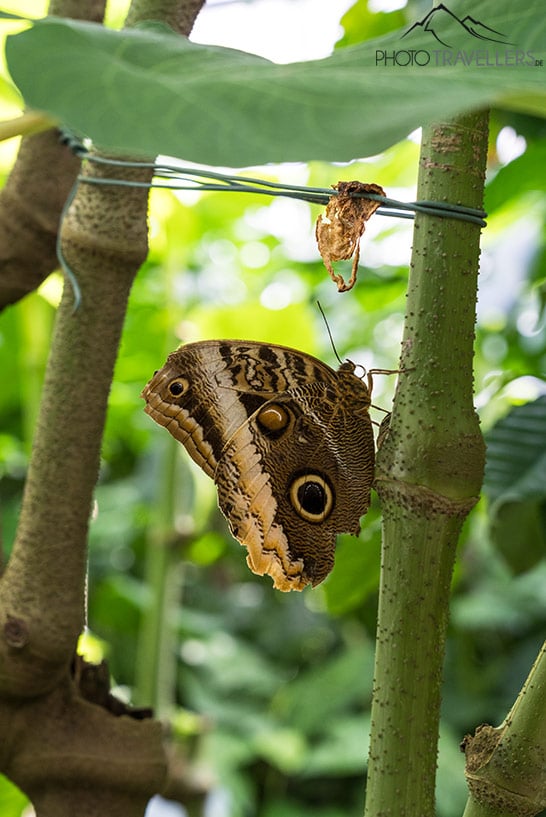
(343, 750)
(516, 454)
(150, 91)
(524, 174)
(515, 482)
(356, 572)
(315, 699)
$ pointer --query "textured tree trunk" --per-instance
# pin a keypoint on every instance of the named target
(60, 745)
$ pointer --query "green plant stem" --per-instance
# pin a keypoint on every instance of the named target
(156, 659)
(155, 674)
(429, 473)
(506, 767)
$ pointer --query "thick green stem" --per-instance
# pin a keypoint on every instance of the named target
(428, 476)
(506, 767)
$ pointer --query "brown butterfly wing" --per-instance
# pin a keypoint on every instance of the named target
(287, 440)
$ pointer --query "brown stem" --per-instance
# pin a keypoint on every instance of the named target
(180, 16)
(30, 207)
(33, 197)
(59, 748)
(104, 241)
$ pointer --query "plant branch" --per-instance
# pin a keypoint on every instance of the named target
(429, 474)
(179, 16)
(62, 748)
(104, 242)
(506, 767)
(30, 208)
(32, 199)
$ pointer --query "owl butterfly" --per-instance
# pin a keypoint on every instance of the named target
(287, 440)
(339, 229)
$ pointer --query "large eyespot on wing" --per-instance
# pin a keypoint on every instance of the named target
(177, 386)
(312, 496)
(274, 420)
(171, 402)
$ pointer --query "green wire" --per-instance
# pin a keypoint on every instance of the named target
(180, 177)
(244, 184)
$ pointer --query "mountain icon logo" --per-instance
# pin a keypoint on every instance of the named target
(446, 27)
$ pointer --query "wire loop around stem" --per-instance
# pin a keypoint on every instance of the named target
(181, 177)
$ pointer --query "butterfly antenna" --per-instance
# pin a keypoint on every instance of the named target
(329, 332)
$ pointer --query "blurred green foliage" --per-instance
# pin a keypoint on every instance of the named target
(272, 691)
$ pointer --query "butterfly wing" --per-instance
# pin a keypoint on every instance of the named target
(287, 440)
